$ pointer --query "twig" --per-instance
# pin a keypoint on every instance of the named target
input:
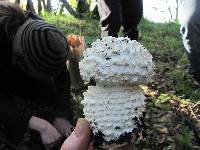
(191, 125)
(192, 112)
(196, 104)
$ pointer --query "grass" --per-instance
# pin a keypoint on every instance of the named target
(69, 25)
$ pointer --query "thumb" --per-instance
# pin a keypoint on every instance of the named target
(80, 137)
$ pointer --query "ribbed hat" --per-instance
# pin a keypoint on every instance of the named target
(40, 49)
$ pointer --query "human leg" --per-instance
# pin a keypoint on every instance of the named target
(190, 31)
(132, 11)
(110, 17)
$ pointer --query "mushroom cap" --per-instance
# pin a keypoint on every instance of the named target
(117, 61)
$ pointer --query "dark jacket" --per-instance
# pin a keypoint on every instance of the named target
(54, 92)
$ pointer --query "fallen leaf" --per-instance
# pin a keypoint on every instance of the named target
(198, 124)
(163, 130)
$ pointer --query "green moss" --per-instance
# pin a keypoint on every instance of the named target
(184, 140)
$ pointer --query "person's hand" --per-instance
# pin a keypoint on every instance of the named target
(48, 133)
(80, 138)
(63, 126)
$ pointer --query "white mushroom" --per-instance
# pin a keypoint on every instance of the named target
(117, 60)
(118, 66)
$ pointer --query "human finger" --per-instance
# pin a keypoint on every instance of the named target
(80, 137)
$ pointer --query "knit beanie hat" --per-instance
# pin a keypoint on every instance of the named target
(40, 49)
